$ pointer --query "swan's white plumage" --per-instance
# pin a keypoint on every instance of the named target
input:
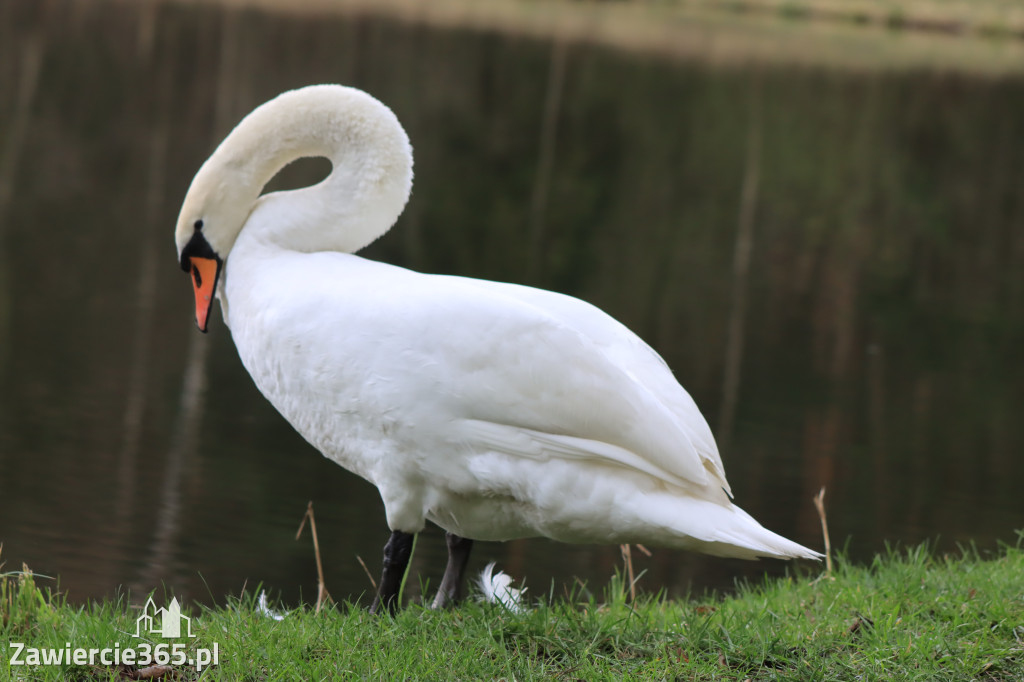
(494, 410)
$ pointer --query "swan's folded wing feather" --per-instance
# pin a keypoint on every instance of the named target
(523, 442)
(633, 356)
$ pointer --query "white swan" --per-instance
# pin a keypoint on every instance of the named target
(494, 410)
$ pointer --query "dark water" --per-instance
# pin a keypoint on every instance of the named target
(873, 342)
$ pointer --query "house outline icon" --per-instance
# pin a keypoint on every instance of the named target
(165, 622)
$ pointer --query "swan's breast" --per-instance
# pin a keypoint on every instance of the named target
(298, 323)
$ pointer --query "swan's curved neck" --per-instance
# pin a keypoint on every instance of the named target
(358, 202)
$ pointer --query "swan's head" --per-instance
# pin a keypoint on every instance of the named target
(211, 217)
(361, 199)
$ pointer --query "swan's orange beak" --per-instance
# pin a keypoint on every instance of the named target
(205, 272)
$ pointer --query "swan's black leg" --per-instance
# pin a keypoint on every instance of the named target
(451, 584)
(396, 560)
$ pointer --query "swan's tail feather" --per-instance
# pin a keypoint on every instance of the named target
(723, 530)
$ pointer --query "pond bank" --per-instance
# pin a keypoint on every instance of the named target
(908, 614)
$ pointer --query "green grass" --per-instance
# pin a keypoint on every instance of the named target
(908, 616)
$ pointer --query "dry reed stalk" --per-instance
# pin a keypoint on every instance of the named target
(367, 571)
(321, 592)
(819, 504)
(627, 558)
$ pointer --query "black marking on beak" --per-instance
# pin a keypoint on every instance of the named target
(196, 246)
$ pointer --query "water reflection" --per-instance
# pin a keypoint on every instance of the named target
(831, 262)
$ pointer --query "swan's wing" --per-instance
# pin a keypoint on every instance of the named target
(629, 353)
(530, 360)
(438, 350)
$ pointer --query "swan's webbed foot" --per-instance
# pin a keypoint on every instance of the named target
(450, 591)
(396, 560)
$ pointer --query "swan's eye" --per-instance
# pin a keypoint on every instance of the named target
(198, 225)
(196, 277)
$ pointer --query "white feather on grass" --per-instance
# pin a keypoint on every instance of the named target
(262, 607)
(497, 589)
